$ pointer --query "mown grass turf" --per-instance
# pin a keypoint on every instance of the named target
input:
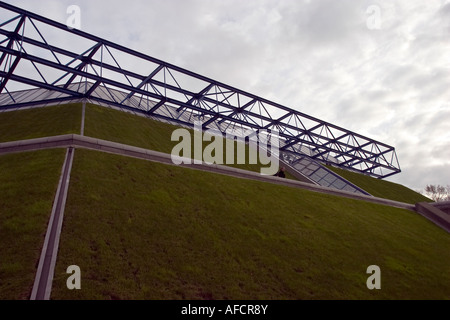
(128, 128)
(382, 188)
(142, 230)
(40, 122)
(28, 183)
(124, 127)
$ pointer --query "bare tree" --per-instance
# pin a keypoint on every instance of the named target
(437, 192)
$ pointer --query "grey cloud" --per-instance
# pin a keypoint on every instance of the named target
(418, 174)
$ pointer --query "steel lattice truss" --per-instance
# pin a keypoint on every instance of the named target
(108, 73)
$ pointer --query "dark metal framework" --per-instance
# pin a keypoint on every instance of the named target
(147, 85)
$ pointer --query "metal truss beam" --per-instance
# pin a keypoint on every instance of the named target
(105, 69)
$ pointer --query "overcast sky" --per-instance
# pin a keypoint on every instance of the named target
(379, 68)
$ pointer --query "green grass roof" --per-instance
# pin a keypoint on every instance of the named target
(142, 230)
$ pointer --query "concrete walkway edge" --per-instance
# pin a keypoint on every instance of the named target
(45, 271)
(433, 213)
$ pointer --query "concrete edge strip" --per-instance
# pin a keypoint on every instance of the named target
(434, 214)
(63, 198)
(39, 272)
(45, 271)
(36, 144)
(444, 206)
(83, 115)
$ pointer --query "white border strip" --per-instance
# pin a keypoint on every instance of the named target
(60, 199)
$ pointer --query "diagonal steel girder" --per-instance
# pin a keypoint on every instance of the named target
(215, 100)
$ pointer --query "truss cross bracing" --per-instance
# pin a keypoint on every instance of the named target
(36, 70)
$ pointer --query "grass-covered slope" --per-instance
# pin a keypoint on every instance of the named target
(28, 182)
(382, 188)
(40, 122)
(142, 230)
(127, 128)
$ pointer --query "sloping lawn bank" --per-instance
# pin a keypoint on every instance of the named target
(142, 230)
(28, 183)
